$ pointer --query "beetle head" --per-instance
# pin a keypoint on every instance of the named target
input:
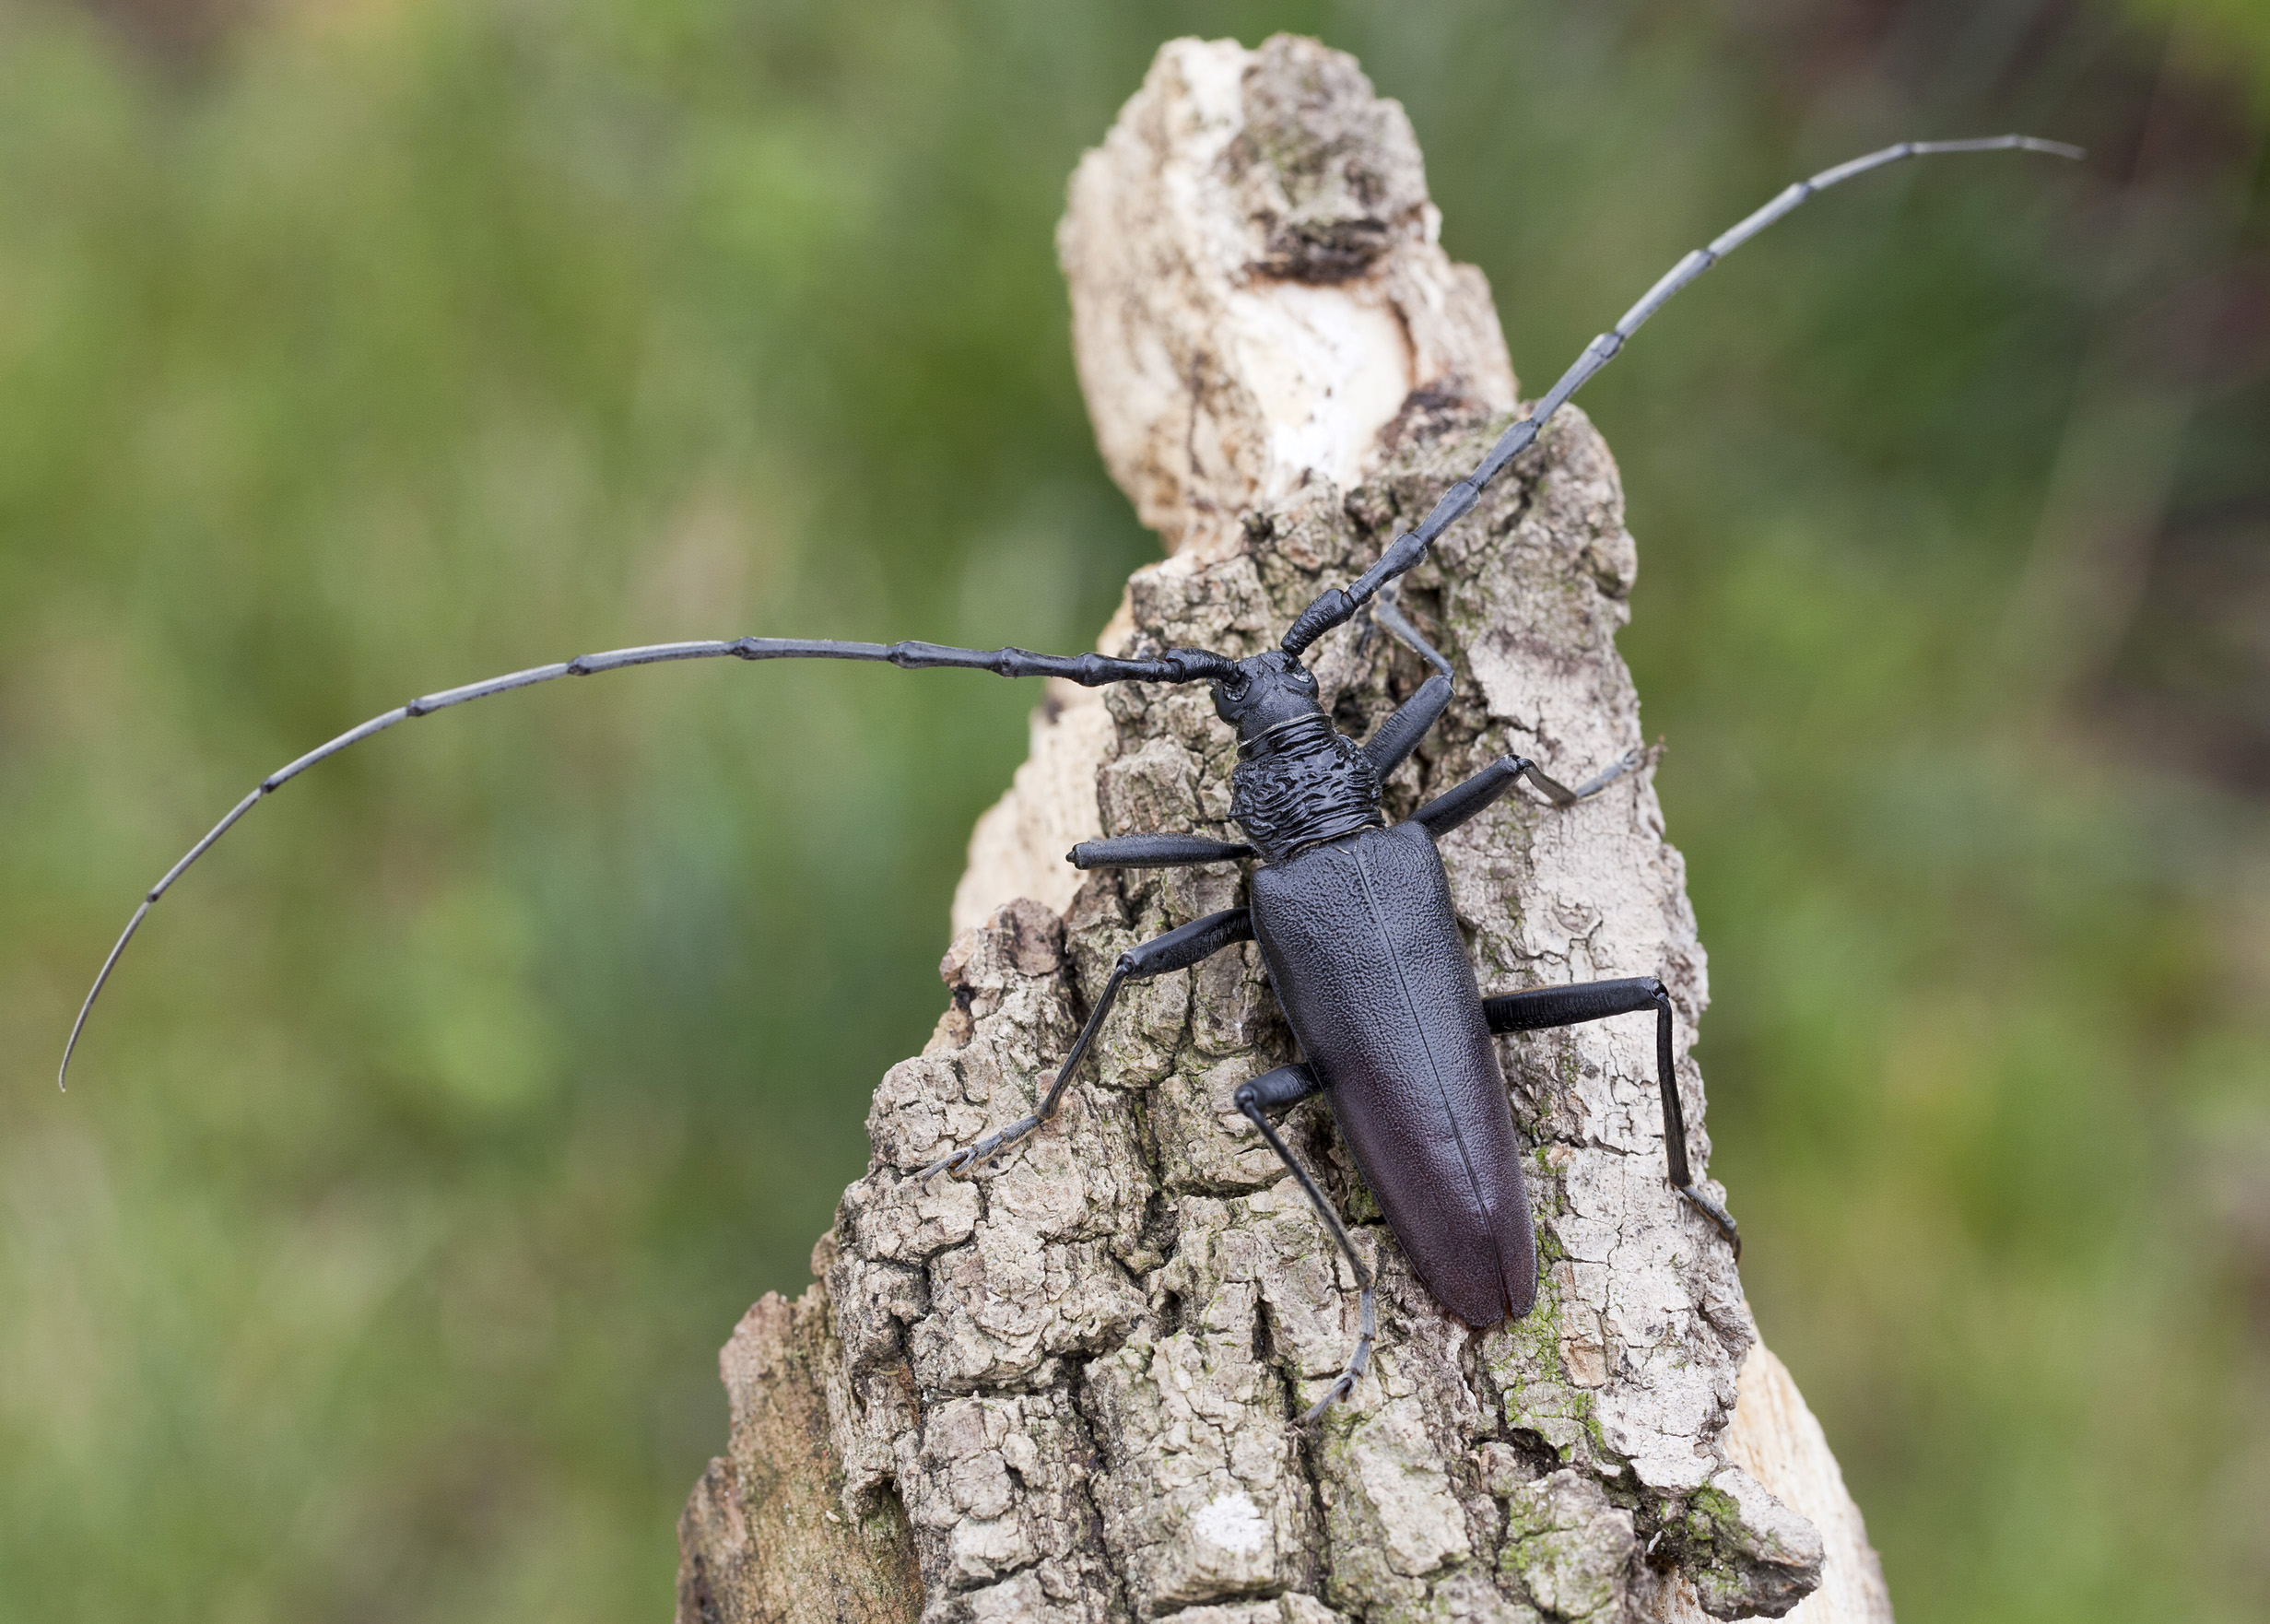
(1265, 691)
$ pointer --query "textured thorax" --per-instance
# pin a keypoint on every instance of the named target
(1298, 782)
(1302, 783)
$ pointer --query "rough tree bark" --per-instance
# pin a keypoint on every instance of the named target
(1064, 1390)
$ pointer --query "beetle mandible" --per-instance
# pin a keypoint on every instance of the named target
(1352, 915)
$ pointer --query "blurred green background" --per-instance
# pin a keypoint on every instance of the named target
(443, 1122)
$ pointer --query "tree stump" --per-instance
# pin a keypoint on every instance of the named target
(1065, 1391)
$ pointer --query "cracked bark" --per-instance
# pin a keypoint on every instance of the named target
(1064, 1392)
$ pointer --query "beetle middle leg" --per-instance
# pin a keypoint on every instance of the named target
(1176, 950)
(1485, 789)
(1155, 850)
(1554, 1007)
(1288, 1085)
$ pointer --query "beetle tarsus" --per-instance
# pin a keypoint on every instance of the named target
(1283, 1087)
(966, 1161)
(1561, 795)
(1623, 764)
(1339, 1390)
(1345, 1384)
(953, 1163)
(1716, 1213)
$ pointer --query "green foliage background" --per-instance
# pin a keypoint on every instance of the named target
(445, 1121)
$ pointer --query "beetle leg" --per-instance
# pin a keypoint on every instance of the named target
(1155, 850)
(1718, 1215)
(1273, 1090)
(1285, 1086)
(1477, 794)
(1389, 613)
(1471, 798)
(1552, 1006)
(1176, 950)
(1399, 735)
(1561, 795)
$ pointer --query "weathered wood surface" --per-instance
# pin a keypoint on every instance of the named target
(1065, 1391)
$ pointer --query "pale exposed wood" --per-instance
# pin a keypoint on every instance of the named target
(1067, 1388)
(1215, 391)
(1776, 1440)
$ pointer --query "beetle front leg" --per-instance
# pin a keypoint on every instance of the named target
(1177, 950)
(1399, 735)
(1554, 1007)
(1288, 1085)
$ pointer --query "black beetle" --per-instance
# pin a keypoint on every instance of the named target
(1353, 917)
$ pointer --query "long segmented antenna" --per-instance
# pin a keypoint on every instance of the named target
(1336, 604)
(1088, 670)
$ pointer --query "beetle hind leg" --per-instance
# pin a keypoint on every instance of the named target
(1288, 1085)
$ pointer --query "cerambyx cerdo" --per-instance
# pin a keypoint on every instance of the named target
(1353, 917)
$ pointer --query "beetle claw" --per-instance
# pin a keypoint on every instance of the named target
(955, 1162)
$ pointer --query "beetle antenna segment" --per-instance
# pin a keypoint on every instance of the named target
(1088, 670)
(1336, 604)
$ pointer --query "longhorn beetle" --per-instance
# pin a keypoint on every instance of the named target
(1343, 905)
